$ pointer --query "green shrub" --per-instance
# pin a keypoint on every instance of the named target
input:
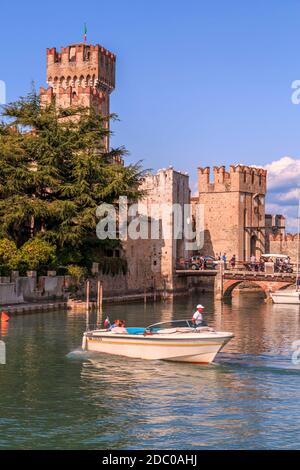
(8, 250)
(79, 273)
(35, 254)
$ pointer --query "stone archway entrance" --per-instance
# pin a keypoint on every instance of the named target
(253, 242)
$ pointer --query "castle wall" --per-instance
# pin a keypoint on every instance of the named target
(285, 245)
(163, 190)
(234, 210)
(275, 225)
(152, 261)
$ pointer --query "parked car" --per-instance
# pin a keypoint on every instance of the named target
(196, 262)
(203, 262)
(210, 262)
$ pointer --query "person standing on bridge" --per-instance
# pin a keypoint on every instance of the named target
(224, 259)
(197, 319)
(233, 261)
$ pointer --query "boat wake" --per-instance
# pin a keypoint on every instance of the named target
(78, 355)
(267, 362)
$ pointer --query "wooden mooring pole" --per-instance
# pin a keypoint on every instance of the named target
(87, 303)
(99, 302)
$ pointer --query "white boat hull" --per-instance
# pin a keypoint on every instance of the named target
(192, 348)
(290, 297)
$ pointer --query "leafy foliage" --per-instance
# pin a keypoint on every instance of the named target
(8, 251)
(79, 273)
(54, 173)
(36, 253)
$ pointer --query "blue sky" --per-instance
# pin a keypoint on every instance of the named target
(198, 82)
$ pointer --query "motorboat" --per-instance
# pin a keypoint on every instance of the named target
(291, 296)
(178, 341)
(286, 296)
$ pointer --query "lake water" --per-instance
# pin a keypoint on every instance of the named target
(52, 396)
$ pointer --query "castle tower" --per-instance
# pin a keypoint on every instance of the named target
(80, 75)
(234, 211)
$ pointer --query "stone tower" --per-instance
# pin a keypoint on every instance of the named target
(80, 75)
(234, 211)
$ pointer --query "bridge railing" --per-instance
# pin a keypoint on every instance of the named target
(248, 275)
(246, 266)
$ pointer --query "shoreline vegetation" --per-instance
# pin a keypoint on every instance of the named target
(55, 172)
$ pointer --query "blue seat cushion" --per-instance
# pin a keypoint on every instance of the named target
(135, 331)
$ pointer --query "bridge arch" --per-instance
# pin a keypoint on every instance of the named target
(229, 286)
(266, 286)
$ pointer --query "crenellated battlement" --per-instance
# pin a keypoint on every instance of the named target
(81, 65)
(289, 237)
(79, 52)
(241, 178)
(80, 75)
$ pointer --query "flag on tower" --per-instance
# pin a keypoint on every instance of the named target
(85, 31)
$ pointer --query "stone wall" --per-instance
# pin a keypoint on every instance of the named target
(31, 289)
(286, 245)
(234, 210)
(9, 294)
(154, 260)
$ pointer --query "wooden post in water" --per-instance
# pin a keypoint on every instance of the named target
(98, 295)
(145, 296)
(101, 295)
(99, 302)
(87, 295)
(87, 303)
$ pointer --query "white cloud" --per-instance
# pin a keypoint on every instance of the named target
(283, 186)
(290, 196)
(283, 173)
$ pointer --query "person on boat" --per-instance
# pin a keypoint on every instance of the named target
(115, 324)
(120, 328)
(198, 317)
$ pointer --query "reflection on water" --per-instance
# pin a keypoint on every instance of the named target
(55, 396)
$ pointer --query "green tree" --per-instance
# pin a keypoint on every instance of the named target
(36, 253)
(54, 172)
(8, 252)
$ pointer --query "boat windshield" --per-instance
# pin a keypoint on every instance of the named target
(170, 324)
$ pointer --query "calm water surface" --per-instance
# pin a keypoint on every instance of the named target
(54, 397)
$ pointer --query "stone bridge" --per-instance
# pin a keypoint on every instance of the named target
(226, 281)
